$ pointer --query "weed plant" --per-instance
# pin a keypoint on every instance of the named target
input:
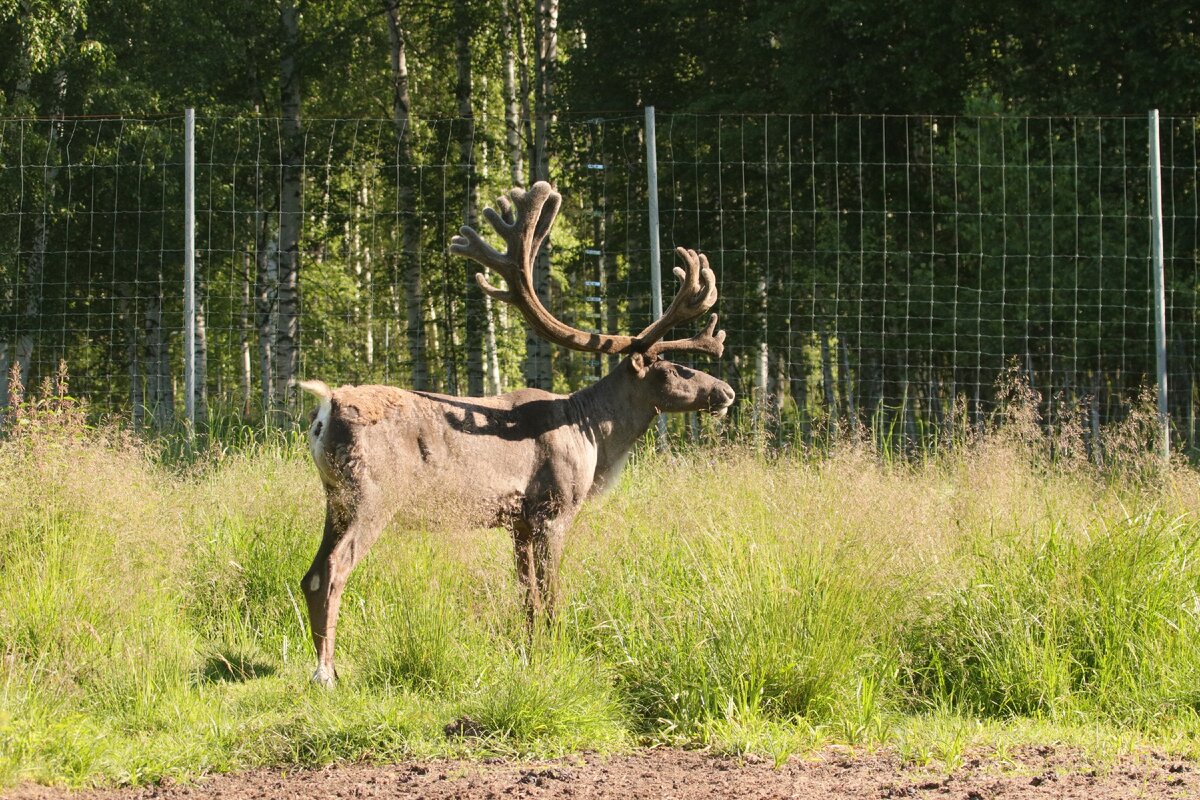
(151, 623)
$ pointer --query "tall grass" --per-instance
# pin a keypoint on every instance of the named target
(151, 622)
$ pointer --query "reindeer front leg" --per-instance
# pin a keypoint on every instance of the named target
(547, 558)
(538, 549)
(525, 559)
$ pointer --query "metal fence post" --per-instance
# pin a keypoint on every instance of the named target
(656, 302)
(189, 266)
(1159, 269)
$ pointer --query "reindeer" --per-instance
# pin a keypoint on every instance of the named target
(524, 461)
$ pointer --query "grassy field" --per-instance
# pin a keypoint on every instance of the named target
(151, 622)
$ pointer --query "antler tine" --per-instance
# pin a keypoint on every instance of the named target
(523, 222)
(506, 206)
(469, 243)
(710, 341)
(697, 294)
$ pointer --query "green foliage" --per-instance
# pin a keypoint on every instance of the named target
(921, 248)
(151, 623)
(716, 625)
(1053, 624)
(150, 619)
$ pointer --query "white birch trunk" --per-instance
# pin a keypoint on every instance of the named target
(266, 282)
(475, 323)
(538, 363)
(512, 108)
(244, 362)
(200, 395)
(367, 287)
(287, 328)
(160, 385)
(410, 264)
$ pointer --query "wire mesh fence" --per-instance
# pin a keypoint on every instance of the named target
(887, 269)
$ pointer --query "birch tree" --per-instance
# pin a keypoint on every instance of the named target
(511, 25)
(410, 233)
(287, 328)
(45, 35)
(538, 352)
(473, 300)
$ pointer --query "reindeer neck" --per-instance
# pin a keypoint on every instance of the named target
(614, 414)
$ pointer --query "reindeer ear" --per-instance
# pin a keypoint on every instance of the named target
(637, 362)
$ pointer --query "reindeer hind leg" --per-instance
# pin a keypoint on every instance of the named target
(315, 585)
(348, 536)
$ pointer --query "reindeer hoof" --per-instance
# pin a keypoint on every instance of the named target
(323, 678)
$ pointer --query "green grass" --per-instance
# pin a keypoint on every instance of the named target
(151, 623)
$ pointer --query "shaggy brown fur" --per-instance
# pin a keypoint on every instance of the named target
(525, 461)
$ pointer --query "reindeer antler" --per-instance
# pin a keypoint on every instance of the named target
(697, 294)
(524, 223)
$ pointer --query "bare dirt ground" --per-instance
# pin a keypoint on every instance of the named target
(834, 772)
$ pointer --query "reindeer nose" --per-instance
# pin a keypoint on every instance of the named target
(725, 396)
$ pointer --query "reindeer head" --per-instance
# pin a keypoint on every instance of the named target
(674, 387)
(523, 223)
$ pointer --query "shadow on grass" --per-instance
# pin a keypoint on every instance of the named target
(233, 668)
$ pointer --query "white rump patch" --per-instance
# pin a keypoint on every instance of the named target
(316, 431)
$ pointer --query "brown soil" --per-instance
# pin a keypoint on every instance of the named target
(834, 772)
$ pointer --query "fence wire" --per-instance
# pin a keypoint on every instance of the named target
(886, 269)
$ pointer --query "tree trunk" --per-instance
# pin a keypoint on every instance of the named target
(435, 342)
(266, 279)
(244, 362)
(451, 345)
(538, 352)
(396, 306)
(367, 286)
(35, 266)
(160, 395)
(779, 383)
(935, 415)
(872, 398)
(409, 232)
(910, 419)
(200, 391)
(23, 71)
(827, 376)
(5, 370)
(19, 105)
(473, 301)
(512, 108)
(762, 363)
(287, 328)
(321, 236)
(34, 270)
(733, 376)
(1191, 411)
(797, 377)
(605, 276)
(848, 381)
(493, 357)
(526, 111)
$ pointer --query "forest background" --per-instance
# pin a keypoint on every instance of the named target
(903, 201)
